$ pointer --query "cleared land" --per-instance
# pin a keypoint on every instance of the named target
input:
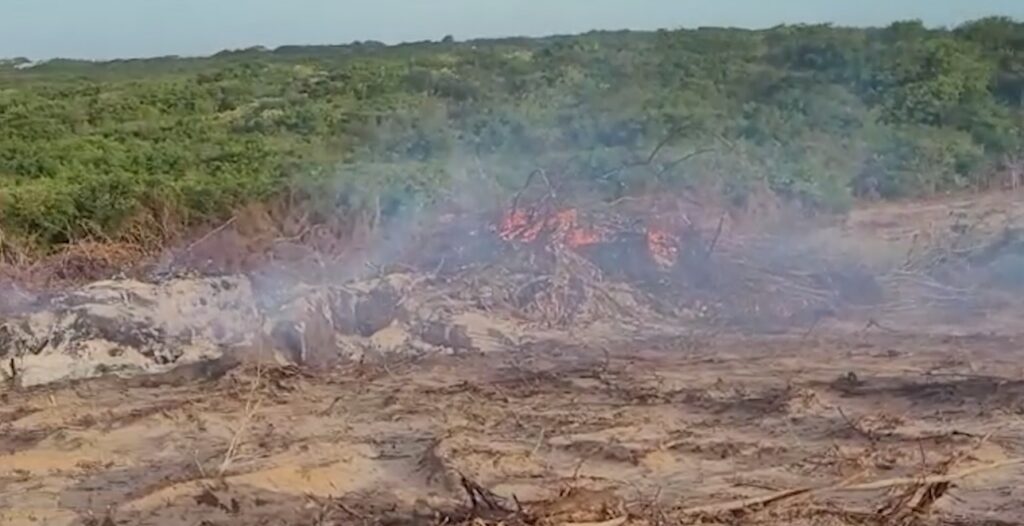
(879, 414)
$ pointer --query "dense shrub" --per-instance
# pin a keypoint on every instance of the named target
(816, 113)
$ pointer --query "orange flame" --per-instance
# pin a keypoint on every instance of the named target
(662, 247)
(562, 227)
(520, 225)
(581, 237)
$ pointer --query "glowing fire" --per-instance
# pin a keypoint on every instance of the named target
(520, 225)
(662, 246)
(563, 227)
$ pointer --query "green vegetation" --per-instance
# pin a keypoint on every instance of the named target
(819, 114)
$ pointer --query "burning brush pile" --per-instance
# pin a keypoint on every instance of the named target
(671, 265)
(533, 271)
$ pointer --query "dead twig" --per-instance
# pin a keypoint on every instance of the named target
(714, 240)
(672, 164)
(742, 504)
(480, 495)
(252, 404)
(529, 180)
(661, 144)
(618, 521)
(211, 233)
(649, 160)
(859, 430)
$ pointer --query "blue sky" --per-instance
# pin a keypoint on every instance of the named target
(102, 29)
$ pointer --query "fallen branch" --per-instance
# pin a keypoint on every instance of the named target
(931, 479)
(741, 504)
(756, 502)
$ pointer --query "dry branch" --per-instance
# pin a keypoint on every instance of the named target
(714, 240)
(480, 495)
(618, 521)
(931, 479)
(758, 502)
(252, 404)
(742, 504)
(857, 428)
(211, 233)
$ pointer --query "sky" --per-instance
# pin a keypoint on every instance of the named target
(107, 29)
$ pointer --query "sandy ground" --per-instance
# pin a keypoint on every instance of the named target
(640, 430)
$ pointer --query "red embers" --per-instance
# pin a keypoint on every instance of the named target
(662, 246)
(563, 227)
(520, 225)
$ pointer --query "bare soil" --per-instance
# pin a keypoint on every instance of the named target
(641, 430)
(865, 420)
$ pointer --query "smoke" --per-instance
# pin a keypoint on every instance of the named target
(609, 240)
(569, 260)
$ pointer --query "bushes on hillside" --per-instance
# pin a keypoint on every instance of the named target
(818, 114)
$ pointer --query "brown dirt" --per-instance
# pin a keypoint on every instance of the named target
(643, 429)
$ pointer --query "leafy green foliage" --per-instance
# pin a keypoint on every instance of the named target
(816, 113)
